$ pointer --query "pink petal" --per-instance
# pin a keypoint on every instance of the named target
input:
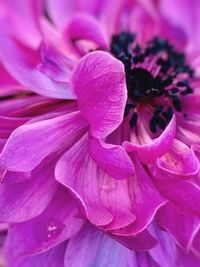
(113, 159)
(187, 259)
(156, 148)
(183, 193)
(26, 29)
(21, 64)
(49, 229)
(99, 83)
(180, 223)
(106, 199)
(55, 64)
(180, 161)
(32, 142)
(18, 201)
(146, 201)
(15, 177)
(141, 242)
(53, 257)
(85, 27)
(61, 10)
(184, 15)
(71, 172)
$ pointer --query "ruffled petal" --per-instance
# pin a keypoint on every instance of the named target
(106, 199)
(85, 27)
(19, 201)
(113, 159)
(32, 142)
(155, 148)
(180, 223)
(180, 161)
(55, 225)
(145, 199)
(21, 63)
(99, 83)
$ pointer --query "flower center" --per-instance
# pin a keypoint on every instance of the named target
(156, 75)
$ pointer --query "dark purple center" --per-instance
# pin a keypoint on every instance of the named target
(155, 72)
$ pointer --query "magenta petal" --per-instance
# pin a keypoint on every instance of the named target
(141, 242)
(106, 200)
(72, 172)
(19, 63)
(179, 161)
(149, 152)
(15, 177)
(55, 64)
(99, 83)
(180, 223)
(185, 194)
(32, 142)
(113, 159)
(53, 257)
(86, 27)
(146, 201)
(184, 15)
(50, 228)
(19, 201)
(191, 259)
(30, 11)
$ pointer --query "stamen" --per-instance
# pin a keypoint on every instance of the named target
(153, 75)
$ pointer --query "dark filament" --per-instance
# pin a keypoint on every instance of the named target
(144, 87)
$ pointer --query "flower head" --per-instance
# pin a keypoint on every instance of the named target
(100, 125)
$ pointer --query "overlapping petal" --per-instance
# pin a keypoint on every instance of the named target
(99, 84)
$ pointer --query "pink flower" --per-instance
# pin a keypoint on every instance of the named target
(100, 124)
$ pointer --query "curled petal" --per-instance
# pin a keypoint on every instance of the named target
(180, 161)
(86, 27)
(111, 158)
(106, 199)
(99, 83)
(156, 148)
(18, 201)
(21, 63)
(145, 199)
